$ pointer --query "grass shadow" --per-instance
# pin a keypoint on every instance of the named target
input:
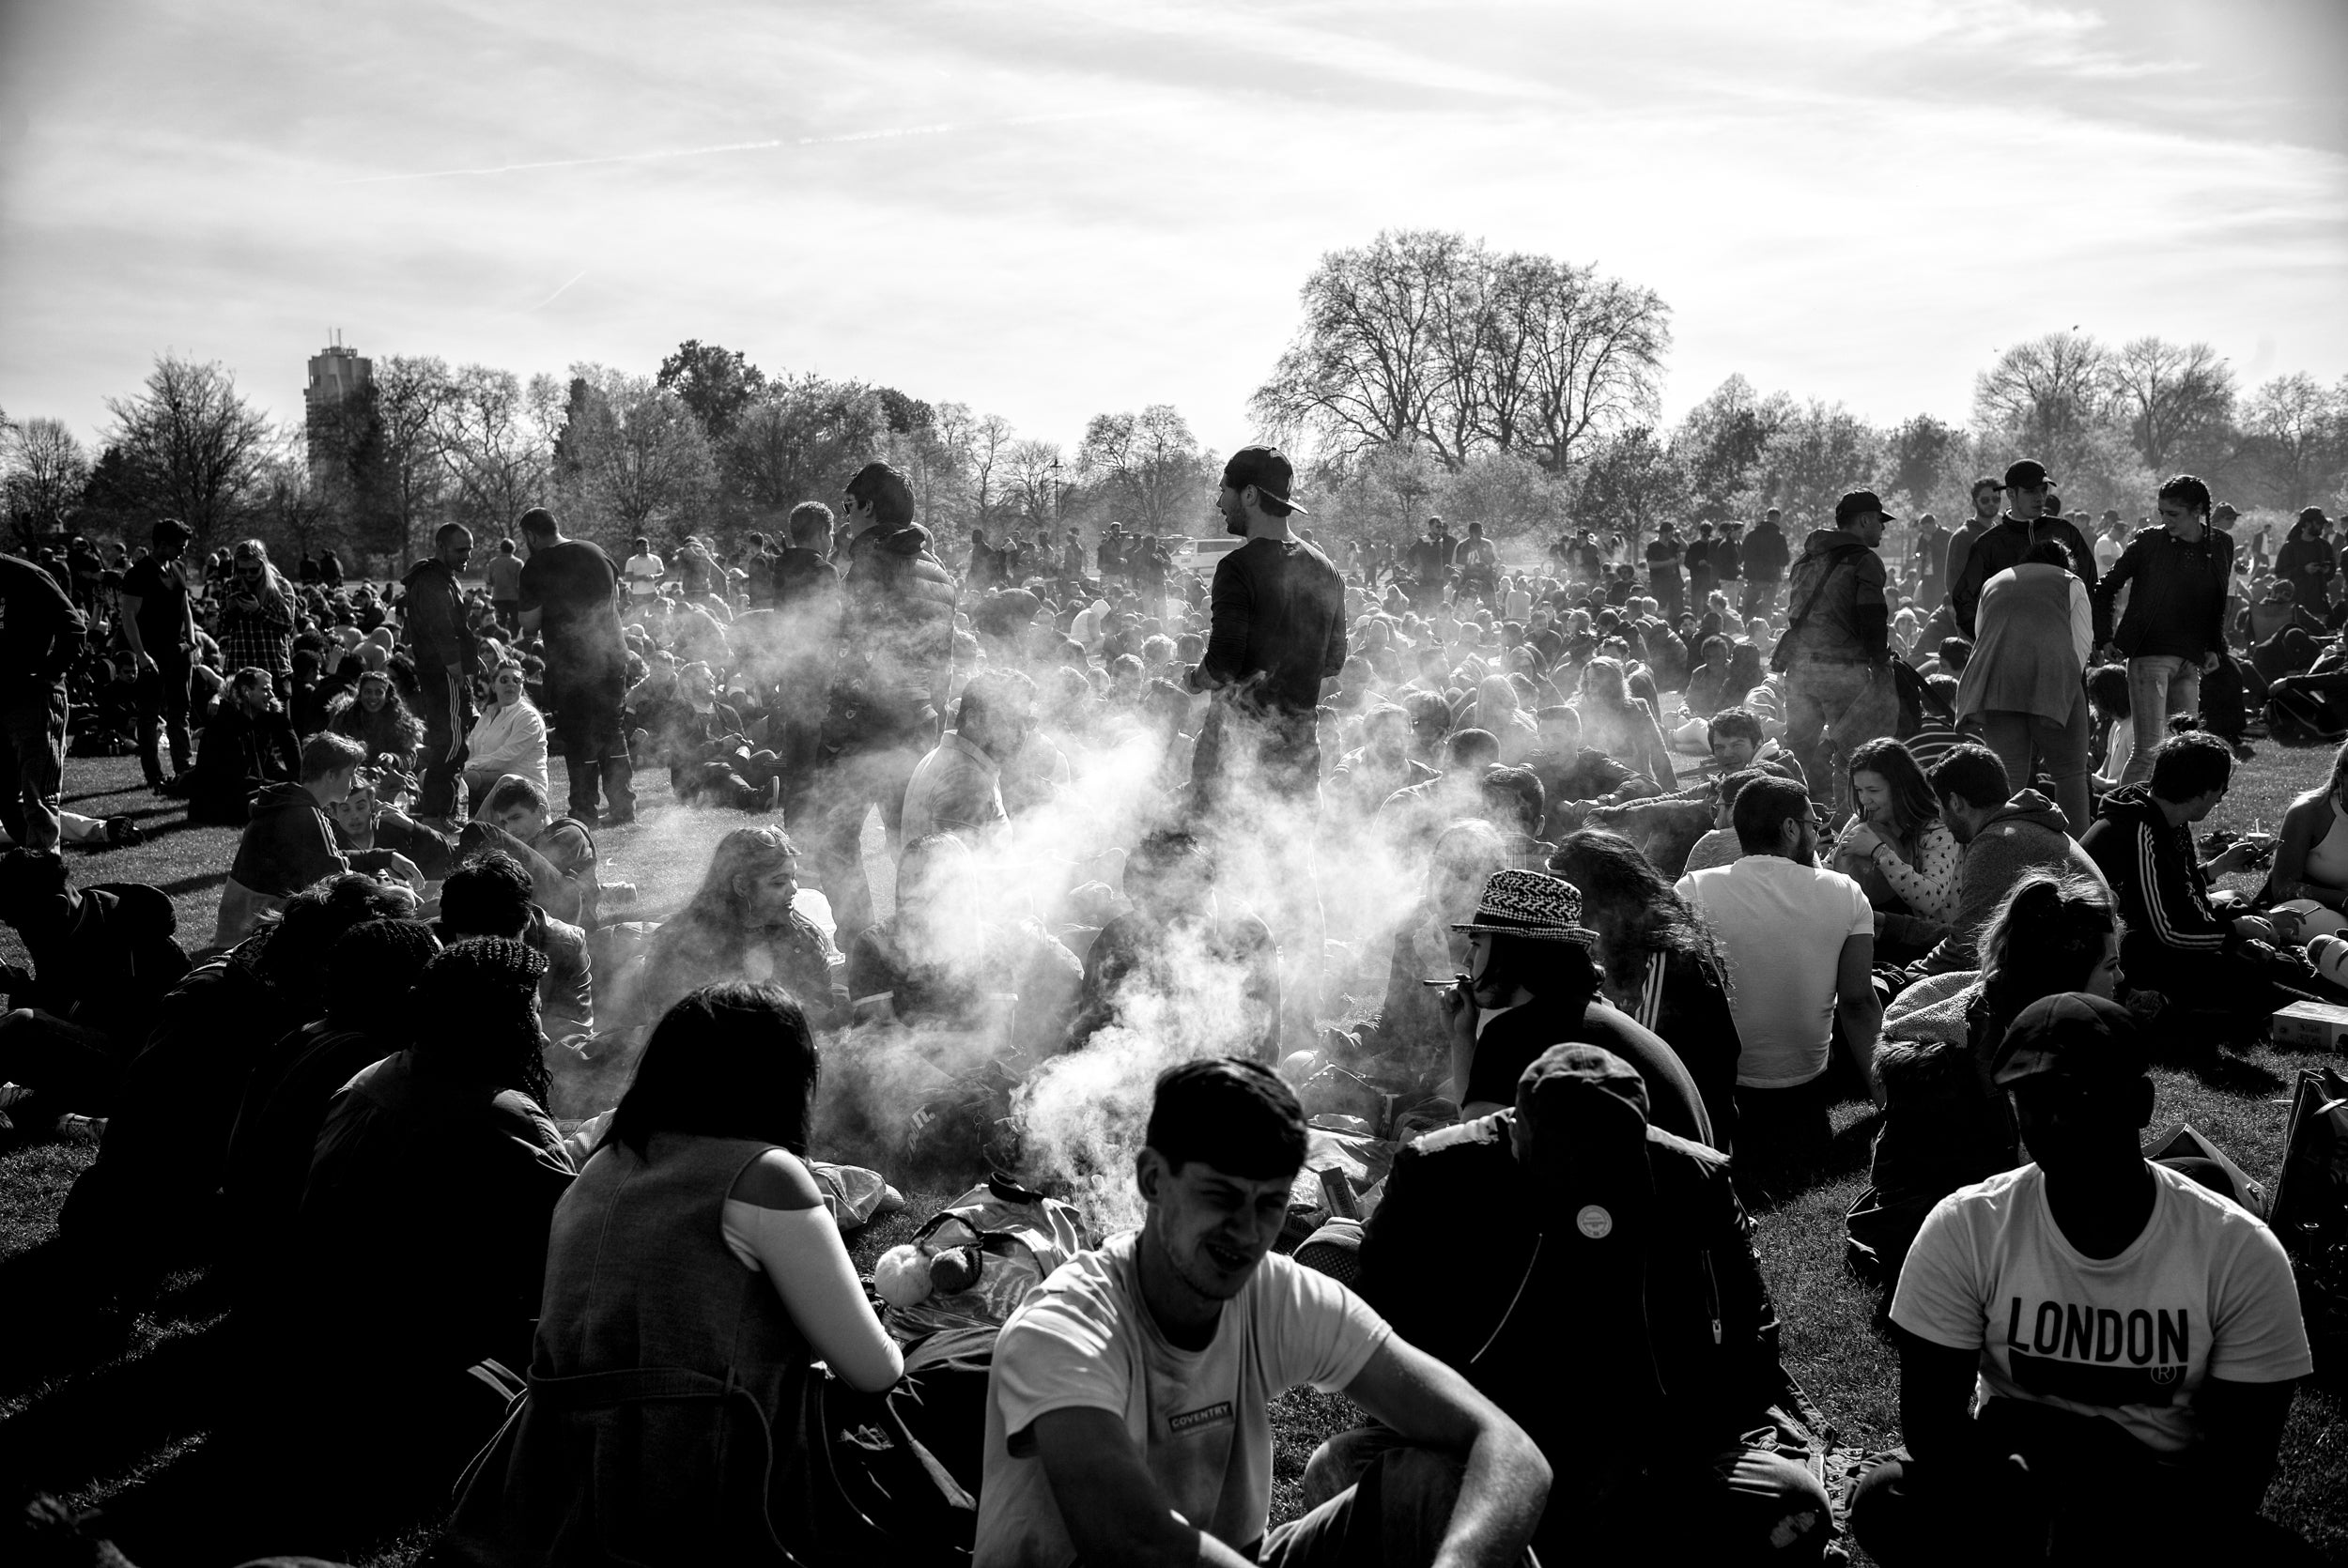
(195, 883)
(107, 1420)
(1767, 1185)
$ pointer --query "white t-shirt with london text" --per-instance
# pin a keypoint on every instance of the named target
(2205, 1292)
(1781, 926)
(1085, 1340)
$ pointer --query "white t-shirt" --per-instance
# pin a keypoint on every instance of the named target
(1084, 1338)
(644, 575)
(1781, 926)
(2205, 1292)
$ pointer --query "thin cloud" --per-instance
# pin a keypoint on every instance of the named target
(553, 296)
(891, 134)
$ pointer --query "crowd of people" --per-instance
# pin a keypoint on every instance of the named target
(1587, 891)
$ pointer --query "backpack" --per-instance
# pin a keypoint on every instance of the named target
(2308, 710)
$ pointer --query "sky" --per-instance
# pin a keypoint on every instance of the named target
(1048, 210)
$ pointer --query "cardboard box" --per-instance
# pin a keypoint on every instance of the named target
(2313, 1025)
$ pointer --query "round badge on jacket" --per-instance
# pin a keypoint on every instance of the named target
(1594, 1223)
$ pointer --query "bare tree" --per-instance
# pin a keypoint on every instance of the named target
(2297, 428)
(1148, 463)
(641, 457)
(1429, 337)
(493, 441)
(1033, 470)
(45, 474)
(192, 445)
(411, 397)
(1813, 458)
(292, 511)
(2176, 397)
(799, 438)
(2044, 394)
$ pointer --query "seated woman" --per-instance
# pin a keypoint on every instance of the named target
(2311, 855)
(1944, 1126)
(1899, 850)
(1657, 963)
(2113, 712)
(375, 718)
(693, 1278)
(510, 736)
(1621, 726)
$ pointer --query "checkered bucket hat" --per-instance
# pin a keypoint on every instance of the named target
(1531, 904)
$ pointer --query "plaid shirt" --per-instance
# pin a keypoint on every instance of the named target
(260, 638)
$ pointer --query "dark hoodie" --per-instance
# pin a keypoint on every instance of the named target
(433, 608)
(897, 632)
(1836, 610)
(2156, 875)
(1764, 552)
(2027, 833)
(2004, 545)
(289, 843)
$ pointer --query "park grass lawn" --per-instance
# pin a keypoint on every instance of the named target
(107, 1434)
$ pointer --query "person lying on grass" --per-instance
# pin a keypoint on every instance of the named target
(1128, 1415)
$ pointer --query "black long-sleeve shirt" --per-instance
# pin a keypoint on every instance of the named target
(1278, 625)
(40, 632)
(2178, 605)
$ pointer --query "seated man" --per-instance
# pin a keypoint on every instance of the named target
(365, 820)
(1128, 1407)
(1576, 779)
(1719, 846)
(2004, 840)
(289, 843)
(1737, 743)
(559, 853)
(489, 896)
(1572, 1196)
(709, 752)
(957, 788)
(1797, 942)
(100, 959)
(249, 745)
(1411, 817)
(2180, 942)
(2132, 1338)
(1531, 984)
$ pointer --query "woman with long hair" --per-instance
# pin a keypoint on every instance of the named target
(510, 736)
(2312, 854)
(1658, 961)
(1620, 724)
(1897, 847)
(1945, 1125)
(693, 1278)
(375, 716)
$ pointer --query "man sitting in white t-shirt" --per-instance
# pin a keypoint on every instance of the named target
(1128, 1417)
(2135, 1336)
(1800, 943)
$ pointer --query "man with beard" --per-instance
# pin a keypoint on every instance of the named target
(1128, 1405)
(2027, 522)
(1988, 494)
(2005, 838)
(1276, 636)
(958, 787)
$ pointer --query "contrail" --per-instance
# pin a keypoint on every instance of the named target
(892, 133)
(553, 296)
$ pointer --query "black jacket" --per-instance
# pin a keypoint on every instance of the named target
(1765, 553)
(432, 609)
(1677, 1338)
(40, 632)
(897, 632)
(2154, 869)
(2005, 545)
(2178, 605)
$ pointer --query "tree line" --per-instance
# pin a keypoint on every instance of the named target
(1427, 374)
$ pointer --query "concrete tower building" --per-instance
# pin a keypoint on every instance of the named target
(335, 373)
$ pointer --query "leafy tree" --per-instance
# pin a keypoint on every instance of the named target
(45, 474)
(295, 510)
(800, 440)
(1813, 458)
(1720, 442)
(192, 445)
(1633, 484)
(717, 384)
(635, 453)
(905, 415)
(1930, 463)
(2297, 427)
(1385, 492)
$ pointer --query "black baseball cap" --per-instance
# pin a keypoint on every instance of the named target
(1561, 1077)
(1855, 503)
(2027, 474)
(1272, 475)
(2070, 1034)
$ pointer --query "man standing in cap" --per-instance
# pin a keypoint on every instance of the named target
(1276, 633)
(1836, 651)
(2133, 1336)
(1574, 1197)
(2025, 523)
(2175, 631)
